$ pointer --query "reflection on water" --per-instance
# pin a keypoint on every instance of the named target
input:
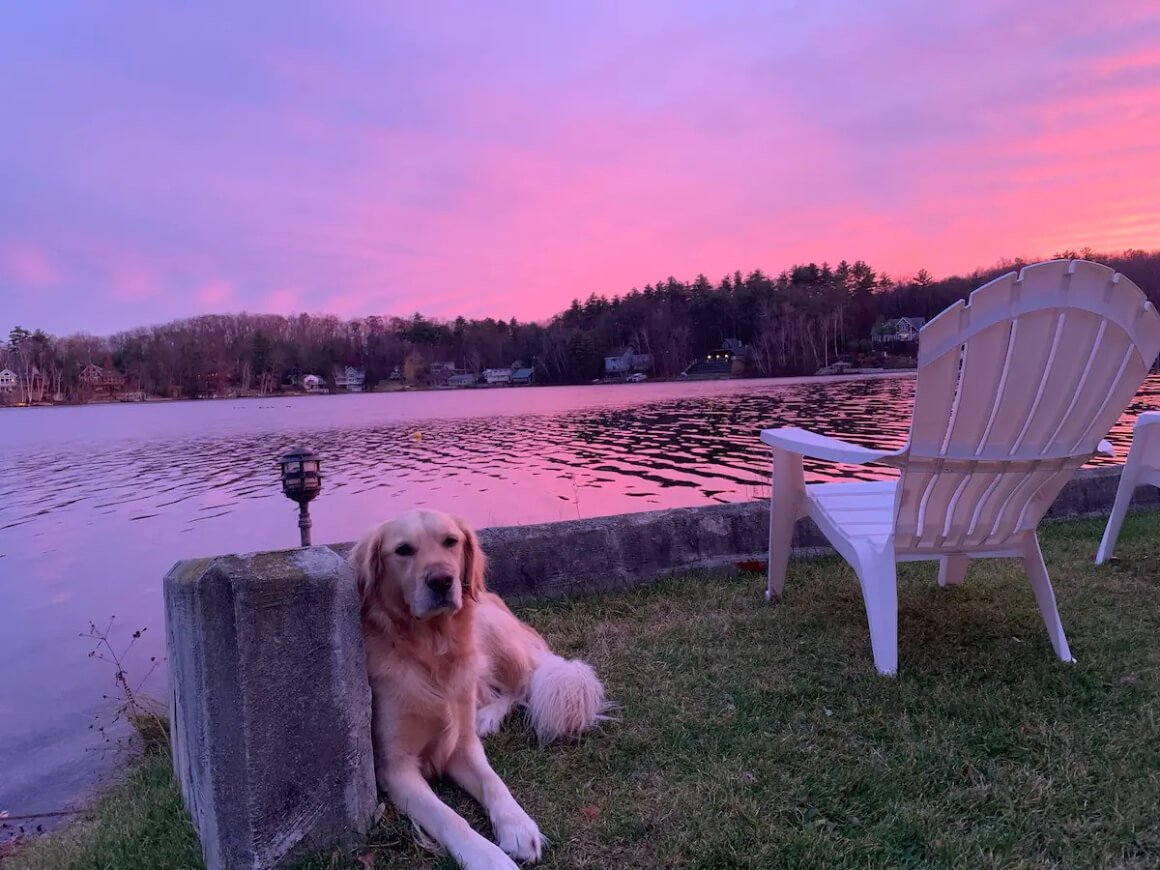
(704, 443)
(98, 502)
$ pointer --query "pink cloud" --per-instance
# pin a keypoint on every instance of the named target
(215, 294)
(130, 275)
(284, 301)
(133, 285)
(28, 265)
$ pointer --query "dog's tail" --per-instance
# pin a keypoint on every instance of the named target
(565, 697)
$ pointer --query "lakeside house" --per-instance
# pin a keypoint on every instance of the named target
(464, 379)
(439, 374)
(313, 384)
(722, 362)
(626, 360)
(350, 379)
(99, 380)
(493, 377)
(8, 379)
(523, 376)
(904, 329)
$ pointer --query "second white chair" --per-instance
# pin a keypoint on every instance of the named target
(1141, 468)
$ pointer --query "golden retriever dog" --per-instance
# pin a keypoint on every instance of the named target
(447, 660)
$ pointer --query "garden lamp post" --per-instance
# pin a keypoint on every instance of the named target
(301, 482)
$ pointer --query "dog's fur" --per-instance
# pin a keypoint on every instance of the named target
(447, 661)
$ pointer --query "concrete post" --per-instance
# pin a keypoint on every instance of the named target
(270, 706)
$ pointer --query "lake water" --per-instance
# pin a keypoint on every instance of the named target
(98, 502)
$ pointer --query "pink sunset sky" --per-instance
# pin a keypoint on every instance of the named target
(161, 160)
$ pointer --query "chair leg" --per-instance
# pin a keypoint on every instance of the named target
(878, 575)
(785, 504)
(1119, 510)
(952, 570)
(1036, 570)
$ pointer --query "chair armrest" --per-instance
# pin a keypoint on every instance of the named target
(806, 443)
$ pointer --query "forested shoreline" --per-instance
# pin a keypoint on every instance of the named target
(793, 323)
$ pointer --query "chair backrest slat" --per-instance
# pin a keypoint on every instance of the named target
(1084, 335)
(1015, 388)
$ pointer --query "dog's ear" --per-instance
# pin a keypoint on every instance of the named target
(367, 560)
(474, 563)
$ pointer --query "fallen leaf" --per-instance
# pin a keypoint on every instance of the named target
(590, 812)
(751, 566)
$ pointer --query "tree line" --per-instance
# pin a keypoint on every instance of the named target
(793, 323)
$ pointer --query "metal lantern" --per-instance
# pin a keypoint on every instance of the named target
(301, 482)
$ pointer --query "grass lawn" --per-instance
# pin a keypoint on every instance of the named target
(759, 736)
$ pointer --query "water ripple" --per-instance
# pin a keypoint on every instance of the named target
(702, 442)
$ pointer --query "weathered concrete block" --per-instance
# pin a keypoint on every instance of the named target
(270, 705)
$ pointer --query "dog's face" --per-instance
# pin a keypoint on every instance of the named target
(423, 562)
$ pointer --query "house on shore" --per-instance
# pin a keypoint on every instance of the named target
(625, 361)
(901, 329)
(439, 374)
(523, 376)
(495, 377)
(8, 380)
(350, 379)
(464, 379)
(313, 384)
(101, 381)
(722, 362)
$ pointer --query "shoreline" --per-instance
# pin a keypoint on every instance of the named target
(782, 379)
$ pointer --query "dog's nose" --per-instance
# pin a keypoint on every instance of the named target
(440, 583)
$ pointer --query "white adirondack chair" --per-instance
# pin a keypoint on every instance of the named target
(1015, 390)
(1141, 468)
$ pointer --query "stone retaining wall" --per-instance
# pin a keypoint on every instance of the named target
(580, 556)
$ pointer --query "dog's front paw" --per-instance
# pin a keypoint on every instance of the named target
(485, 855)
(517, 834)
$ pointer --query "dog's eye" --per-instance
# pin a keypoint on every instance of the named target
(404, 550)
(450, 541)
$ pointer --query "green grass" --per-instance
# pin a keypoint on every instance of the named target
(138, 823)
(759, 736)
